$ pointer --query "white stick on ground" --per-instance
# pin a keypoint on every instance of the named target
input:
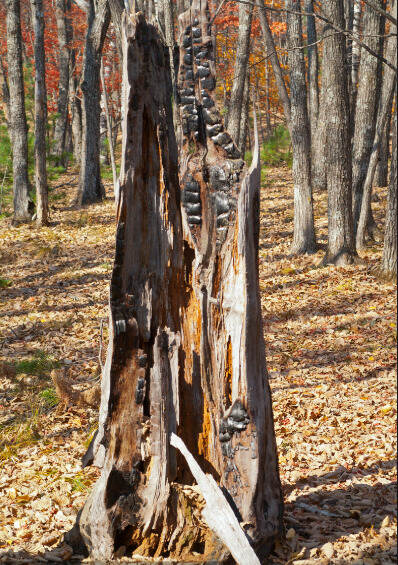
(217, 513)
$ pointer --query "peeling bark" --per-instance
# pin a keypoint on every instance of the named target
(186, 350)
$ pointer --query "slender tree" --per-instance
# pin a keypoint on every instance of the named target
(304, 230)
(244, 121)
(76, 108)
(91, 188)
(64, 28)
(387, 93)
(368, 95)
(341, 243)
(109, 133)
(40, 114)
(355, 56)
(313, 69)
(19, 131)
(5, 93)
(349, 24)
(389, 260)
(273, 57)
(381, 174)
(236, 103)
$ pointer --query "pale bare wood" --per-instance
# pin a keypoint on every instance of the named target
(217, 512)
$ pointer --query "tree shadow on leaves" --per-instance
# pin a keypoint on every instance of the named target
(323, 516)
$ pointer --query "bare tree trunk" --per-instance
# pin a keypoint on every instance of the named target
(267, 102)
(40, 114)
(186, 351)
(341, 246)
(349, 24)
(318, 163)
(389, 260)
(236, 102)
(381, 174)
(109, 134)
(117, 9)
(368, 95)
(76, 110)
(91, 188)
(355, 57)
(5, 93)
(19, 136)
(313, 70)
(244, 121)
(64, 49)
(276, 66)
(304, 230)
(387, 94)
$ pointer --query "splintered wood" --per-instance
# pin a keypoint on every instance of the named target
(186, 350)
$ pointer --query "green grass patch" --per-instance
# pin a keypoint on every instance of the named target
(79, 482)
(5, 283)
(19, 434)
(275, 151)
(49, 396)
(106, 172)
(39, 365)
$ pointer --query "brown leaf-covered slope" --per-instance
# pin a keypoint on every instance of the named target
(330, 335)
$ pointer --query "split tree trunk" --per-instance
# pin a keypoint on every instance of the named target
(389, 260)
(341, 243)
(186, 350)
(91, 188)
(368, 96)
(64, 50)
(19, 131)
(40, 114)
(304, 229)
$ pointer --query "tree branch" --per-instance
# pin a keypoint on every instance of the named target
(329, 23)
(384, 13)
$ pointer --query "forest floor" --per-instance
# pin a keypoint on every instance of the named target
(330, 335)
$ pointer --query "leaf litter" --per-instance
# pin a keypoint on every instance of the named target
(330, 336)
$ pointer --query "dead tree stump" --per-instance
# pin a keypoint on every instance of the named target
(186, 350)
